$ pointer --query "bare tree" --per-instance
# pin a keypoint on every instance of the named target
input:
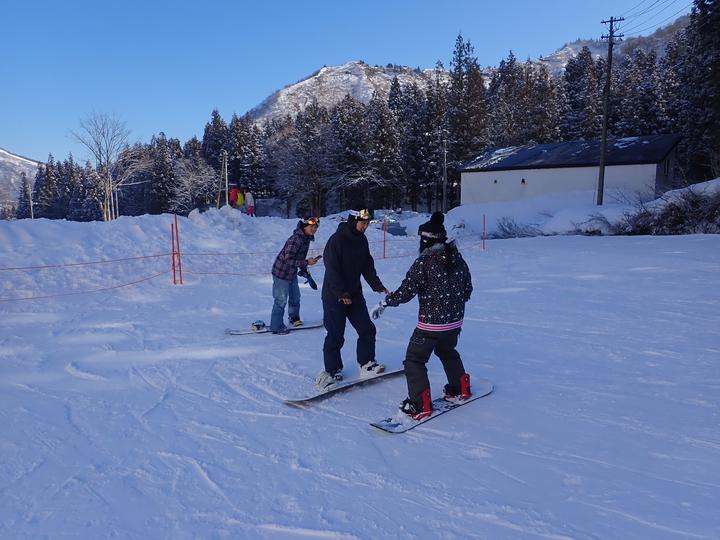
(104, 136)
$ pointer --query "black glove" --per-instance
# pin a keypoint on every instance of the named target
(310, 281)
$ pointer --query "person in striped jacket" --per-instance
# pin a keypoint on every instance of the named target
(441, 280)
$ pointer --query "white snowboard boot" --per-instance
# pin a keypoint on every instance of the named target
(325, 380)
(371, 369)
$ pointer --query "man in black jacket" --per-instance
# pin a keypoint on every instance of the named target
(347, 257)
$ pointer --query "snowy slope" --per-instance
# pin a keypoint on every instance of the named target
(11, 169)
(331, 84)
(129, 414)
(657, 42)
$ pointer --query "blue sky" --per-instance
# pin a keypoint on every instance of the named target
(164, 66)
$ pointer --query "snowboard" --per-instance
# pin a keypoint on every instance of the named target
(400, 422)
(266, 330)
(344, 385)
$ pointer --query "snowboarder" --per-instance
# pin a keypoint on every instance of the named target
(347, 257)
(437, 218)
(441, 280)
(290, 263)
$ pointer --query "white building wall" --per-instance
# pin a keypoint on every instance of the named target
(500, 186)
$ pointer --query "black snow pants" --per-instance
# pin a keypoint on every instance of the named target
(334, 316)
(422, 345)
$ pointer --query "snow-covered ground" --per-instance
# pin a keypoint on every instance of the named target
(128, 413)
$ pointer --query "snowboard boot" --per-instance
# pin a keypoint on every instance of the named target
(415, 410)
(458, 392)
(281, 332)
(371, 368)
(296, 322)
(257, 326)
(325, 380)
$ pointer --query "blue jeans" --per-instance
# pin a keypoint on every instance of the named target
(282, 291)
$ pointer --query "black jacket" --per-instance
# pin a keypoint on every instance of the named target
(347, 257)
(441, 280)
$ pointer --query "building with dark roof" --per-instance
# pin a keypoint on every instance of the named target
(641, 166)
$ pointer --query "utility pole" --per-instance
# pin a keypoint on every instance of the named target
(444, 186)
(225, 174)
(223, 179)
(606, 98)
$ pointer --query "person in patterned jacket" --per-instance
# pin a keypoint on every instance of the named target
(441, 280)
(288, 264)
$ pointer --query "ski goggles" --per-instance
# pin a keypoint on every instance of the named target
(315, 221)
(363, 214)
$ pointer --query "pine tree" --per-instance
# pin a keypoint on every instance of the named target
(384, 186)
(395, 96)
(506, 96)
(543, 116)
(466, 114)
(86, 197)
(414, 128)
(216, 138)
(640, 103)
(23, 205)
(435, 139)
(349, 148)
(702, 122)
(305, 173)
(582, 91)
(163, 181)
(673, 77)
(45, 189)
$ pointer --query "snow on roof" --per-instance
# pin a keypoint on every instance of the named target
(624, 151)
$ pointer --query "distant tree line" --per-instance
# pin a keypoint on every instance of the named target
(393, 150)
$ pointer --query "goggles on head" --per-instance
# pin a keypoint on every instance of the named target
(363, 214)
(313, 221)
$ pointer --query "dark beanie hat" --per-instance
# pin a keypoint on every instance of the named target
(438, 218)
(433, 232)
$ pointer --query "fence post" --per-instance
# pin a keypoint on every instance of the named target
(385, 220)
(483, 234)
(172, 241)
(179, 257)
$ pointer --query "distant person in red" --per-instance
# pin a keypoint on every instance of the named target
(235, 197)
(249, 203)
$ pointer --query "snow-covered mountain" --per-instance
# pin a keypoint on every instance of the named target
(11, 168)
(657, 41)
(330, 85)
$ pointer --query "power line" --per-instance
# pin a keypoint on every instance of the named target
(645, 10)
(656, 25)
(667, 5)
(633, 8)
